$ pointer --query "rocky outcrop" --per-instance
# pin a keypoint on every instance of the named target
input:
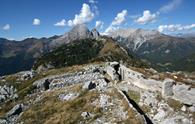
(26, 75)
(16, 110)
(112, 70)
(185, 94)
(76, 33)
(89, 85)
(59, 81)
(69, 96)
(167, 88)
(7, 92)
(95, 33)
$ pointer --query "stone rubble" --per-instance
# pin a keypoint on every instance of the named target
(153, 93)
(86, 115)
(69, 96)
(7, 92)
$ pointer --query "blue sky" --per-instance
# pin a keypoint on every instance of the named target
(43, 18)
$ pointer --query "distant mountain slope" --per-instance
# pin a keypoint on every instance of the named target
(162, 51)
(85, 51)
(20, 55)
(185, 64)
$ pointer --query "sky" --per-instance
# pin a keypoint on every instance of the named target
(20, 19)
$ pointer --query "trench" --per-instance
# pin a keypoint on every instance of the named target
(136, 106)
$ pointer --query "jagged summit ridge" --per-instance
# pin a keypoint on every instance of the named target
(137, 36)
(76, 33)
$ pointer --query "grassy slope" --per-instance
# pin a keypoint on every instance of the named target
(85, 51)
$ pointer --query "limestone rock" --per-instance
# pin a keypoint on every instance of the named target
(183, 108)
(3, 121)
(89, 85)
(184, 94)
(26, 75)
(192, 109)
(86, 115)
(112, 70)
(16, 110)
(167, 88)
(7, 92)
(95, 33)
(69, 96)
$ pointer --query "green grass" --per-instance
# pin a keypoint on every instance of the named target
(134, 95)
(176, 105)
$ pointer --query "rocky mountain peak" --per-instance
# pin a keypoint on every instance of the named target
(80, 31)
(95, 33)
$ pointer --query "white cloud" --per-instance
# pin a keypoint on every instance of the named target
(110, 29)
(93, 1)
(85, 16)
(6, 27)
(99, 24)
(120, 18)
(134, 16)
(62, 23)
(93, 4)
(36, 21)
(170, 6)
(175, 27)
(147, 17)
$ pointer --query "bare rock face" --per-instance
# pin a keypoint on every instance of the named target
(167, 88)
(7, 92)
(95, 33)
(78, 32)
(89, 85)
(112, 70)
(16, 110)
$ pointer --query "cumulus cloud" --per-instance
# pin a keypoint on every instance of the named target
(36, 21)
(85, 16)
(147, 17)
(110, 29)
(170, 6)
(62, 23)
(175, 27)
(6, 27)
(93, 1)
(120, 18)
(99, 24)
(93, 4)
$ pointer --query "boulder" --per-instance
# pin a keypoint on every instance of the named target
(89, 85)
(86, 115)
(192, 109)
(184, 93)
(27, 75)
(7, 92)
(112, 71)
(16, 110)
(167, 87)
(3, 121)
(69, 96)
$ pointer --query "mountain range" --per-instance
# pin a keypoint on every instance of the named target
(161, 52)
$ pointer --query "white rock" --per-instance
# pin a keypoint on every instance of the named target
(89, 85)
(183, 108)
(167, 88)
(16, 110)
(86, 115)
(192, 109)
(69, 96)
